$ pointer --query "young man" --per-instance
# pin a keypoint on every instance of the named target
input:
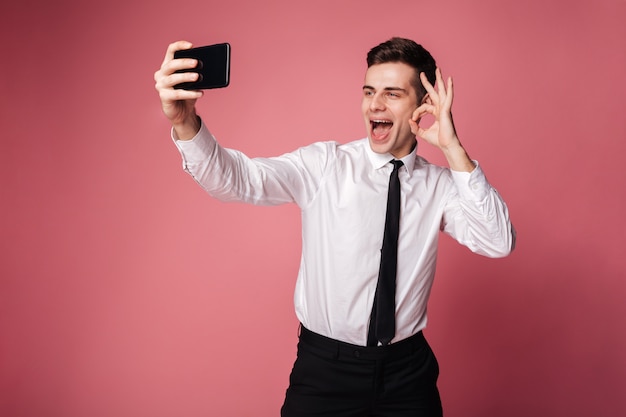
(362, 308)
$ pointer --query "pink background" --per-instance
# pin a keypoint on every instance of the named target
(117, 270)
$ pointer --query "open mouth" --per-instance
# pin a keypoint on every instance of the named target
(380, 127)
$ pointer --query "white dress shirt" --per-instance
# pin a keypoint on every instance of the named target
(341, 190)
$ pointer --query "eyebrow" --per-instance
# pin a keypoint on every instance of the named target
(368, 87)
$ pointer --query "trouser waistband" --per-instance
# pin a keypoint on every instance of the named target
(337, 349)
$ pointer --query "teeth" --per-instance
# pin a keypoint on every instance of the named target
(381, 121)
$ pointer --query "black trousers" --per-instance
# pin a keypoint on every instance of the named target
(337, 379)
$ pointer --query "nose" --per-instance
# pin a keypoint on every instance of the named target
(377, 103)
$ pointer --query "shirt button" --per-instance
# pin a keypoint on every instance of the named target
(357, 354)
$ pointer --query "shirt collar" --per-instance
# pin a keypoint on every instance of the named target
(379, 160)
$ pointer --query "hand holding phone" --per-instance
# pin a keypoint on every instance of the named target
(213, 66)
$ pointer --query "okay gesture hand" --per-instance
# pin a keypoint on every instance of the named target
(441, 133)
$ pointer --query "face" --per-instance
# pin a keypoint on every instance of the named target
(389, 100)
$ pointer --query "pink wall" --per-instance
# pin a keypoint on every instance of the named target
(116, 269)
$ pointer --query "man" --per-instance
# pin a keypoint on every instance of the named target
(362, 308)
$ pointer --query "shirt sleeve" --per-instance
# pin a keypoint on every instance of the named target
(230, 175)
(477, 217)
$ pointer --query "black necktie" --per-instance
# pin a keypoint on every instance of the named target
(383, 319)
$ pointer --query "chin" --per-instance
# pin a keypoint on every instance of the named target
(381, 148)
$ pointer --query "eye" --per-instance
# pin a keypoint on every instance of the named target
(368, 93)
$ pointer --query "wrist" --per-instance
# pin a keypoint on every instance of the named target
(187, 128)
(458, 159)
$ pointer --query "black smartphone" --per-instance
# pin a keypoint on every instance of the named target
(213, 66)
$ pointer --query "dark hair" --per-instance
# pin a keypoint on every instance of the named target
(407, 52)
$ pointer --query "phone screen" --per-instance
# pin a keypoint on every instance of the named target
(213, 66)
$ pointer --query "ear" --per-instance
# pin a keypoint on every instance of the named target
(426, 99)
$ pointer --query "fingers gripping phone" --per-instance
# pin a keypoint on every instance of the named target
(213, 66)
